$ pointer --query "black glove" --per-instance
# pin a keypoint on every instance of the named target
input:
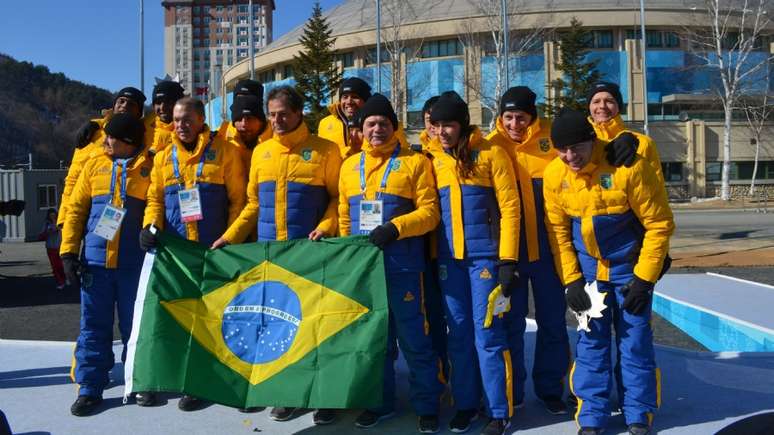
(72, 269)
(507, 276)
(383, 234)
(622, 151)
(665, 266)
(637, 295)
(84, 134)
(147, 239)
(576, 296)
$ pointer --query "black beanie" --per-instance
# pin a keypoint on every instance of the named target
(245, 105)
(450, 107)
(249, 87)
(133, 94)
(519, 98)
(571, 127)
(355, 86)
(378, 104)
(167, 90)
(609, 87)
(127, 128)
(428, 106)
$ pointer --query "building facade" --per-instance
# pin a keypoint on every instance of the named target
(203, 37)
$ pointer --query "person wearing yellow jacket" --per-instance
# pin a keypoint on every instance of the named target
(387, 192)
(353, 93)
(246, 129)
(159, 125)
(427, 135)
(478, 250)
(609, 225)
(106, 209)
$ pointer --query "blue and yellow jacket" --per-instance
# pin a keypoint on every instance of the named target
(221, 188)
(479, 215)
(529, 157)
(231, 135)
(334, 128)
(88, 200)
(409, 200)
(609, 130)
(606, 223)
(293, 188)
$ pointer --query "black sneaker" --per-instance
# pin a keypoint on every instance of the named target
(591, 431)
(519, 405)
(572, 401)
(145, 398)
(280, 413)
(496, 426)
(321, 417)
(462, 420)
(189, 403)
(370, 419)
(251, 409)
(428, 424)
(638, 429)
(555, 405)
(84, 405)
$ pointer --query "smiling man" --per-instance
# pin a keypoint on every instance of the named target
(353, 94)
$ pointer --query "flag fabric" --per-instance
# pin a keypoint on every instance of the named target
(293, 323)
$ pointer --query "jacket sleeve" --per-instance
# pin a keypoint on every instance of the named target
(648, 200)
(559, 229)
(234, 178)
(344, 221)
(648, 150)
(245, 222)
(425, 216)
(69, 183)
(328, 224)
(154, 205)
(78, 212)
(504, 182)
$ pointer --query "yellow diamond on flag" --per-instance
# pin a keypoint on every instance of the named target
(265, 320)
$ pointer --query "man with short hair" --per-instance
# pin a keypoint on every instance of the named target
(159, 126)
(248, 125)
(353, 93)
(427, 135)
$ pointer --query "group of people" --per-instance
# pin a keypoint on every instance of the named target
(466, 221)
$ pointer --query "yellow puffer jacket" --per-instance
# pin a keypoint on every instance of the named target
(605, 222)
(334, 128)
(229, 132)
(609, 130)
(293, 188)
(480, 214)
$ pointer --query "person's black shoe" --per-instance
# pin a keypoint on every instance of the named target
(572, 401)
(145, 398)
(428, 424)
(280, 413)
(462, 420)
(369, 419)
(251, 409)
(555, 405)
(85, 405)
(496, 426)
(591, 431)
(321, 417)
(189, 403)
(519, 405)
(638, 429)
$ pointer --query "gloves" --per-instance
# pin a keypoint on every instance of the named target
(576, 296)
(72, 268)
(507, 275)
(383, 234)
(622, 151)
(84, 134)
(147, 239)
(637, 294)
(665, 266)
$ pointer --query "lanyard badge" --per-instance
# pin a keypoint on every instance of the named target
(189, 200)
(372, 211)
(112, 216)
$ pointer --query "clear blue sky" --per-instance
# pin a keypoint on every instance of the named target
(97, 41)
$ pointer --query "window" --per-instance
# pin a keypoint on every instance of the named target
(266, 76)
(371, 57)
(242, 53)
(445, 47)
(206, 9)
(206, 20)
(713, 171)
(242, 9)
(47, 196)
(602, 38)
(347, 59)
(196, 9)
(745, 169)
(656, 38)
(673, 171)
(219, 9)
(287, 71)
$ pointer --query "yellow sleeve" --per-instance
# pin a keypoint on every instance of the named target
(78, 212)
(154, 205)
(234, 178)
(344, 221)
(79, 158)
(559, 227)
(648, 200)
(425, 216)
(648, 150)
(504, 183)
(248, 217)
(328, 224)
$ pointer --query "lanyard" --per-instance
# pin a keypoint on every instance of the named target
(386, 172)
(122, 192)
(199, 169)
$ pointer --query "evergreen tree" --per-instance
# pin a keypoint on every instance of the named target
(314, 68)
(578, 75)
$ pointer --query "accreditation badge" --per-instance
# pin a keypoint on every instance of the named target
(190, 204)
(371, 213)
(109, 222)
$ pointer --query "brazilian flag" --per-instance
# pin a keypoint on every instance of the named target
(294, 323)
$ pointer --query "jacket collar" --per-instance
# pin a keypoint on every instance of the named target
(295, 137)
(610, 128)
(384, 149)
(201, 142)
(532, 131)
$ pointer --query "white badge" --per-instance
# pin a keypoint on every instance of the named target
(370, 215)
(190, 204)
(109, 222)
(502, 305)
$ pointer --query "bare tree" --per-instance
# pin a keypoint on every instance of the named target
(736, 28)
(757, 113)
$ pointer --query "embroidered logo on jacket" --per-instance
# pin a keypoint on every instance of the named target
(408, 297)
(267, 155)
(396, 165)
(545, 145)
(606, 181)
(144, 171)
(306, 154)
(210, 156)
(485, 274)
